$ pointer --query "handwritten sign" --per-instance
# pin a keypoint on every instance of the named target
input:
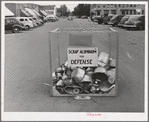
(85, 57)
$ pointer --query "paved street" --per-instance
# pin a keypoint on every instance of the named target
(27, 68)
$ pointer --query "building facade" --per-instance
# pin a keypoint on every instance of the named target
(19, 8)
(49, 9)
(121, 9)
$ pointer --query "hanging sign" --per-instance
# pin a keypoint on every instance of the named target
(86, 57)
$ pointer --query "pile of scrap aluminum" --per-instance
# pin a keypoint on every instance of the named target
(86, 80)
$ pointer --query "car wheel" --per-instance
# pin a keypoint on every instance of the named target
(27, 27)
(140, 27)
(15, 30)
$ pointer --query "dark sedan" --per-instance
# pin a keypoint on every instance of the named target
(13, 24)
(135, 21)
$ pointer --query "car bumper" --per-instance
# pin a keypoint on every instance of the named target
(130, 26)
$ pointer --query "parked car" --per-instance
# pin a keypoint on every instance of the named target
(40, 20)
(123, 20)
(96, 18)
(84, 17)
(70, 18)
(107, 18)
(37, 21)
(135, 21)
(34, 22)
(51, 18)
(13, 24)
(26, 22)
(115, 20)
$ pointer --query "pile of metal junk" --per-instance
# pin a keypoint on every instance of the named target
(86, 80)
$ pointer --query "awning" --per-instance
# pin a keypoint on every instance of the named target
(43, 13)
(30, 11)
(8, 12)
(36, 13)
(25, 13)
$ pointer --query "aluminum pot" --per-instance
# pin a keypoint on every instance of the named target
(111, 72)
(86, 83)
(68, 72)
(100, 74)
(112, 62)
(59, 70)
(111, 79)
(68, 82)
(60, 83)
(54, 77)
(77, 75)
(103, 57)
(59, 75)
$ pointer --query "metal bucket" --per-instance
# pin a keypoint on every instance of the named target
(100, 74)
(77, 75)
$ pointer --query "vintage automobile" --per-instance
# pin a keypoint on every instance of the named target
(34, 22)
(26, 22)
(51, 18)
(84, 17)
(107, 18)
(136, 22)
(11, 23)
(115, 20)
(37, 21)
(123, 20)
(70, 18)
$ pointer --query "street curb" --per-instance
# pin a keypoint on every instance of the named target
(112, 29)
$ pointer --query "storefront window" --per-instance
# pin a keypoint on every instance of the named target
(106, 12)
(113, 11)
(134, 12)
(127, 12)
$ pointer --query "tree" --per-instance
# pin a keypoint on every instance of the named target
(63, 10)
(82, 9)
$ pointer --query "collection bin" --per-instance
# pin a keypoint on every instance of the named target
(103, 80)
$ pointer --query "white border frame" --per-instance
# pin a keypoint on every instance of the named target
(74, 116)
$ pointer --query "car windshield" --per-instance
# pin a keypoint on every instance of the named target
(134, 18)
(115, 16)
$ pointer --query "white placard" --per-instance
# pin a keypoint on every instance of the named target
(85, 57)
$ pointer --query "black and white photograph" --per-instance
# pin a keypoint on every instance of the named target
(74, 60)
